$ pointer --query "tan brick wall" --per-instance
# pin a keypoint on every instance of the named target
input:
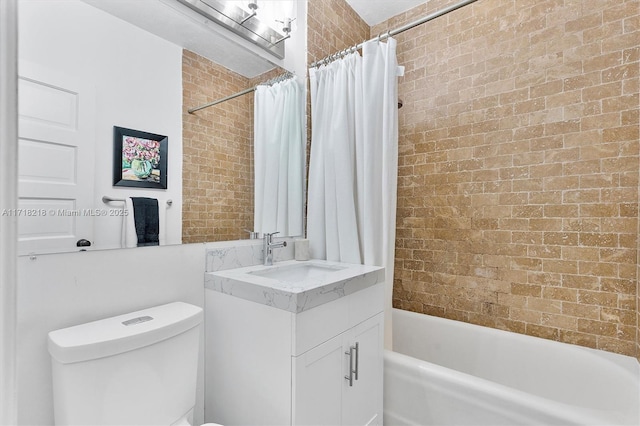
(332, 25)
(217, 185)
(217, 162)
(518, 169)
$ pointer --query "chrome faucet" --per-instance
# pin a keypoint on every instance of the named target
(268, 246)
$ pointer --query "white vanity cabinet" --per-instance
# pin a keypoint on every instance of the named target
(331, 389)
(267, 365)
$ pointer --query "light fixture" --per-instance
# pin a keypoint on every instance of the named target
(238, 20)
(286, 28)
(254, 11)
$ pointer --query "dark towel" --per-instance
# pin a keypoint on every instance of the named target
(146, 219)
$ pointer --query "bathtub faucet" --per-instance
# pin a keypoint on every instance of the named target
(268, 246)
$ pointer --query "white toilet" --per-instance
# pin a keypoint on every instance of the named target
(134, 369)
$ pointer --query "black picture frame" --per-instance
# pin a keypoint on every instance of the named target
(139, 158)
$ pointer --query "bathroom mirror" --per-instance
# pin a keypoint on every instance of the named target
(84, 70)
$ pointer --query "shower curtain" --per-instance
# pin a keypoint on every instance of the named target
(279, 158)
(354, 160)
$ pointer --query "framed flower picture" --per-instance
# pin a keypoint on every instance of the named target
(139, 159)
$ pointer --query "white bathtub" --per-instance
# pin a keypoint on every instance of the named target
(445, 372)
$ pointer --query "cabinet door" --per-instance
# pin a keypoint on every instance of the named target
(321, 393)
(318, 384)
(363, 400)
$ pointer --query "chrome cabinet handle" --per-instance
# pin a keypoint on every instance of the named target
(357, 349)
(351, 370)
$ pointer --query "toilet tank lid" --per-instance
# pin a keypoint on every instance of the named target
(122, 333)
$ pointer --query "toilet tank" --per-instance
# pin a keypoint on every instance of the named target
(133, 369)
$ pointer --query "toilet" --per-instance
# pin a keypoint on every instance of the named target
(134, 369)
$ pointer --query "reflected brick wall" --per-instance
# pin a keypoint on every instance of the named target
(217, 174)
(217, 151)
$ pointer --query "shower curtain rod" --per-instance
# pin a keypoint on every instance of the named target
(287, 75)
(394, 32)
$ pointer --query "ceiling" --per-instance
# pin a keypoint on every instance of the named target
(177, 23)
(181, 25)
(375, 11)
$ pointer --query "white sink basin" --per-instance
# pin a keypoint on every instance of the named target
(296, 272)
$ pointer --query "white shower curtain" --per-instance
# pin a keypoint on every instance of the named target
(332, 218)
(279, 158)
(354, 160)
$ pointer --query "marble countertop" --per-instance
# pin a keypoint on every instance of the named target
(295, 295)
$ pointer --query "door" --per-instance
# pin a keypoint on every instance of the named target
(318, 383)
(322, 392)
(56, 160)
(363, 400)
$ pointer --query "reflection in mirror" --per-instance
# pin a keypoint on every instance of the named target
(218, 167)
(279, 156)
(252, 20)
(82, 72)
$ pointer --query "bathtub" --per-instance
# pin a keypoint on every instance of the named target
(445, 372)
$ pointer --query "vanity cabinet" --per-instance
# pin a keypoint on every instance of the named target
(331, 388)
(266, 365)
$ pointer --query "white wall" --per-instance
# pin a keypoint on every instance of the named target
(138, 85)
(60, 290)
(65, 289)
(8, 200)
(295, 50)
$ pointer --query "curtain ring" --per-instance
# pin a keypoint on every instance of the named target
(378, 39)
